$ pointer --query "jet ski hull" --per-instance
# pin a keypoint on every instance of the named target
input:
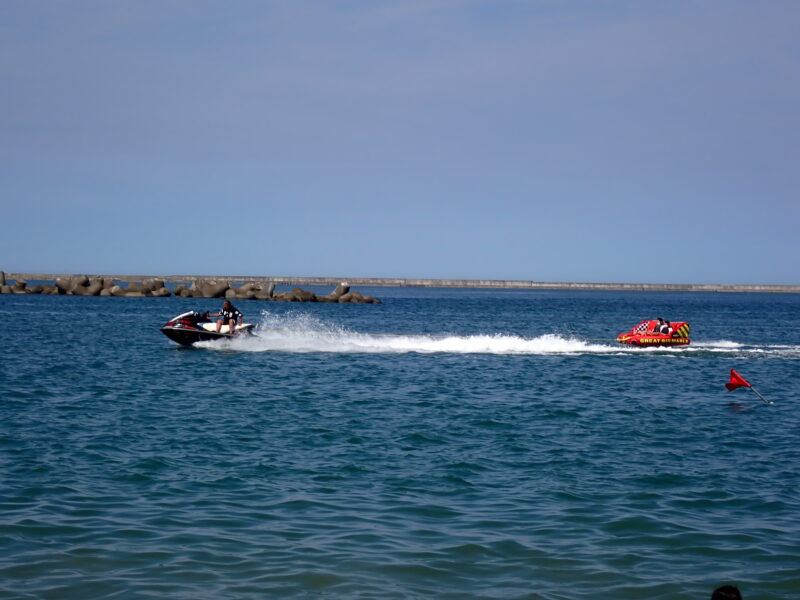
(192, 327)
(187, 337)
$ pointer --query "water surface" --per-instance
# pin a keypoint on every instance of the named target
(443, 444)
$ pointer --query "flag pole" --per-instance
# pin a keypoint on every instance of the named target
(755, 391)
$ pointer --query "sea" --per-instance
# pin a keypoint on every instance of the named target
(444, 444)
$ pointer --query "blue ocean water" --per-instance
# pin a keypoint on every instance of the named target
(443, 444)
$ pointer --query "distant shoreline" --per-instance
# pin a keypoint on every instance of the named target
(501, 284)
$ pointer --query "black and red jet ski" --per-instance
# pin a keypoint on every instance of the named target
(192, 327)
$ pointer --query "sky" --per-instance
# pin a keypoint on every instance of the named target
(543, 140)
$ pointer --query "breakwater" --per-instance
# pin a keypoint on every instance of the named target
(437, 283)
(156, 287)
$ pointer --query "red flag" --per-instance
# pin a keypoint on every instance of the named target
(737, 381)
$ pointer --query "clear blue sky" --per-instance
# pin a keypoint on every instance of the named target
(574, 140)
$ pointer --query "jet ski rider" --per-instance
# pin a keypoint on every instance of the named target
(230, 316)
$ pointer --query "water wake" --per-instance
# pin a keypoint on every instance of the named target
(301, 332)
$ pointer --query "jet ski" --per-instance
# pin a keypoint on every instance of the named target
(653, 333)
(192, 327)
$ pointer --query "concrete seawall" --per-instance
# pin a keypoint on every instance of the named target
(436, 283)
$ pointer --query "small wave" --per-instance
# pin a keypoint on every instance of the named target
(721, 345)
(742, 349)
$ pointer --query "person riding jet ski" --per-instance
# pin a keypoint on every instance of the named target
(231, 316)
